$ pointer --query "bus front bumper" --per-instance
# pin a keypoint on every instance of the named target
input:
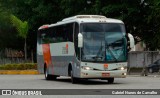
(103, 74)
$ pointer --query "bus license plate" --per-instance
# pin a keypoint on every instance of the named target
(105, 74)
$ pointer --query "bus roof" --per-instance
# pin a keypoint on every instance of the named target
(84, 19)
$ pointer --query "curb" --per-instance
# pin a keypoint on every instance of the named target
(20, 72)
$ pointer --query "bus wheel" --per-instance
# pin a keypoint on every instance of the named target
(73, 79)
(110, 80)
(47, 76)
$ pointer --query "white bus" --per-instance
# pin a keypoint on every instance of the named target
(83, 46)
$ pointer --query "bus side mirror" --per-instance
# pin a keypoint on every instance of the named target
(131, 42)
(80, 40)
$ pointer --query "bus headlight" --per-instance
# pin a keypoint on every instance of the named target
(86, 68)
(122, 68)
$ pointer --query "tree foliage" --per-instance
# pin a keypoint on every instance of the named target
(22, 28)
(141, 17)
(8, 35)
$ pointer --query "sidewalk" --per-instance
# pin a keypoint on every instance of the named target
(140, 75)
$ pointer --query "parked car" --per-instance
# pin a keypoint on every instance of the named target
(155, 67)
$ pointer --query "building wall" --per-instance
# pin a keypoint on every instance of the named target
(142, 58)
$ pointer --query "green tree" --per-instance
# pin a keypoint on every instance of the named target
(22, 29)
(141, 18)
(153, 38)
(8, 36)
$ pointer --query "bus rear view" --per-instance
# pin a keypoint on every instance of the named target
(97, 49)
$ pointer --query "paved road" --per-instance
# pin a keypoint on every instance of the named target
(38, 82)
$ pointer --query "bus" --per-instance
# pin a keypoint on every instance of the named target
(83, 47)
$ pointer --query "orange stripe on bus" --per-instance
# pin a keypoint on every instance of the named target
(46, 54)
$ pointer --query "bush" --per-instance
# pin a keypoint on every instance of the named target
(23, 66)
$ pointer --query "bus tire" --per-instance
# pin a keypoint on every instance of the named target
(48, 76)
(110, 80)
(73, 79)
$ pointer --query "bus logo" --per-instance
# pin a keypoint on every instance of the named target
(105, 66)
(65, 49)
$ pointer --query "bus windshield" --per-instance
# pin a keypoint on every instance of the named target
(104, 42)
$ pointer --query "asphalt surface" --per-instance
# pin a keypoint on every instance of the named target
(38, 82)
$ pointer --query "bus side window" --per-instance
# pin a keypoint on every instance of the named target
(44, 36)
(39, 39)
(60, 34)
(68, 32)
(52, 35)
(47, 36)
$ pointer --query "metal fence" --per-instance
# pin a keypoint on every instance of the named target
(8, 56)
(13, 61)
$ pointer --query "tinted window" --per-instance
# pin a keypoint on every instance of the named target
(64, 33)
(47, 36)
(56, 34)
(60, 34)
